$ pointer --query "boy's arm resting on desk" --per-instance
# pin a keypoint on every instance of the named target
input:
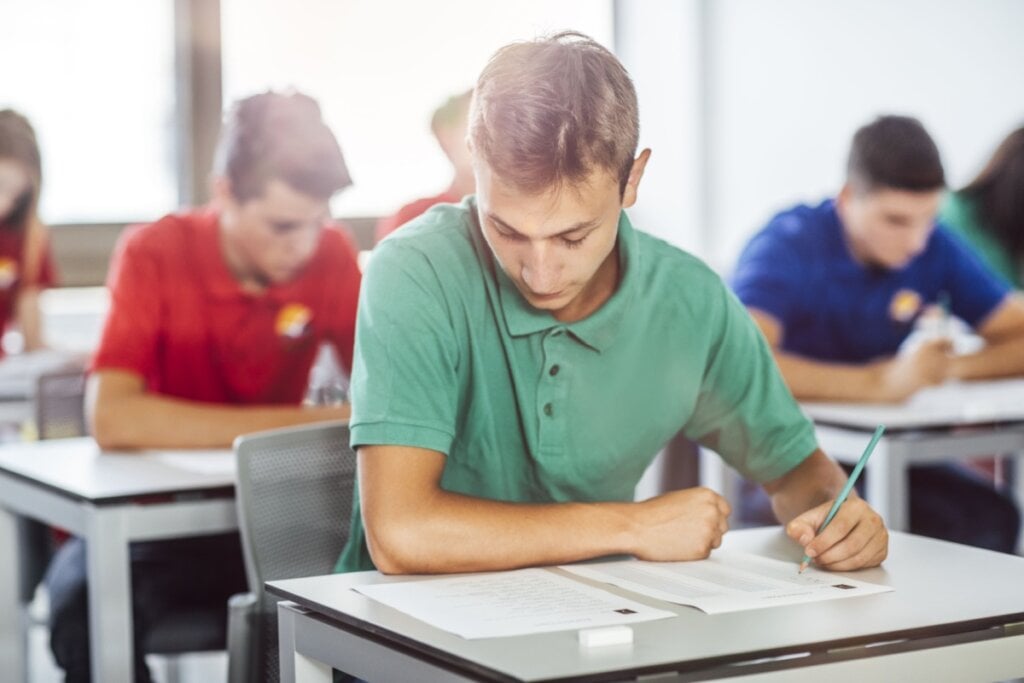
(122, 414)
(855, 538)
(887, 381)
(1003, 355)
(29, 318)
(414, 526)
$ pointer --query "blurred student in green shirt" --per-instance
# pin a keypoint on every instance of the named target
(989, 212)
(522, 356)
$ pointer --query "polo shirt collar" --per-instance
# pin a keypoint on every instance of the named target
(599, 329)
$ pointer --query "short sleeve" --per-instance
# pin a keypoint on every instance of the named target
(404, 377)
(974, 291)
(768, 276)
(744, 411)
(132, 328)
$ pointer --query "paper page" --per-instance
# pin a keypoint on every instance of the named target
(202, 462)
(510, 603)
(728, 581)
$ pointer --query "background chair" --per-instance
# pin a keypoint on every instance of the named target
(60, 413)
(60, 404)
(294, 493)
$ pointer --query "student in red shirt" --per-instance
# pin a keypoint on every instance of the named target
(26, 265)
(449, 127)
(215, 321)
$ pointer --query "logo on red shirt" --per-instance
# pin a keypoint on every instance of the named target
(8, 272)
(293, 321)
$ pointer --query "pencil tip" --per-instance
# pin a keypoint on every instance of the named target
(803, 566)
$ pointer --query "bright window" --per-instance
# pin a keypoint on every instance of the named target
(97, 81)
(379, 68)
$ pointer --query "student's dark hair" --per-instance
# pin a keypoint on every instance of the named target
(18, 143)
(998, 194)
(894, 152)
(550, 111)
(279, 136)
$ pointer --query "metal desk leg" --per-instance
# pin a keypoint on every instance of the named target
(1018, 489)
(296, 667)
(110, 595)
(888, 488)
(12, 632)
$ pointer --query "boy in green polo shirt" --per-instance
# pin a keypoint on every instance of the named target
(521, 357)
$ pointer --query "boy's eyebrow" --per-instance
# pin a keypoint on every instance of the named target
(579, 226)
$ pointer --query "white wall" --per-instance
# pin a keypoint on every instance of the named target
(750, 104)
(658, 43)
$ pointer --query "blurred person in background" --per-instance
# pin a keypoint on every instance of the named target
(216, 317)
(26, 264)
(449, 127)
(989, 211)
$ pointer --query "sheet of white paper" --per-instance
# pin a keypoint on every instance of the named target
(510, 603)
(203, 462)
(728, 581)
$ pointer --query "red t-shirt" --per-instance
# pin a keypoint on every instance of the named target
(180, 320)
(387, 225)
(12, 271)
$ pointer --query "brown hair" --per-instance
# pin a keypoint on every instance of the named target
(18, 142)
(550, 111)
(998, 192)
(895, 152)
(279, 136)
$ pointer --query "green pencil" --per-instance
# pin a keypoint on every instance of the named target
(841, 498)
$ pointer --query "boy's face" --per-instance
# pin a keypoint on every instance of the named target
(14, 183)
(885, 227)
(269, 239)
(556, 245)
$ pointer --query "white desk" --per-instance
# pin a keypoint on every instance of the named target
(931, 628)
(941, 424)
(951, 422)
(111, 500)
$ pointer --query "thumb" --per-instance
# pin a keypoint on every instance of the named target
(804, 527)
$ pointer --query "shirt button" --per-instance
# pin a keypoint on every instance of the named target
(548, 409)
(554, 370)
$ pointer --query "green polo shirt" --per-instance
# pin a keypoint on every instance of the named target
(960, 215)
(451, 358)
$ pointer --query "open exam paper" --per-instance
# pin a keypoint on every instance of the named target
(527, 601)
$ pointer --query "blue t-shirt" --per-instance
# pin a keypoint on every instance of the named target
(799, 270)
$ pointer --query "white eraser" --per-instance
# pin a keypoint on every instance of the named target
(608, 635)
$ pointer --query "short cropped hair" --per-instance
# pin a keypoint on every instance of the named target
(279, 136)
(452, 113)
(550, 111)
(895, 152)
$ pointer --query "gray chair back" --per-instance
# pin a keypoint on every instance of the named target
(294, 494)
(60, 404)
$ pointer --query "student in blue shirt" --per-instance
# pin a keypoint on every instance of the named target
(836, 288)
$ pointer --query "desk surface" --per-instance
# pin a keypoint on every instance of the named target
(932, 598)
(951, 405)
(77, 467)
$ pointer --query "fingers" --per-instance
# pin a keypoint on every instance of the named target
(855, 538)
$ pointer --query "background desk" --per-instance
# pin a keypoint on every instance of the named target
(940, 424)
(951, 422)
(937, 625)
(111, 500)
